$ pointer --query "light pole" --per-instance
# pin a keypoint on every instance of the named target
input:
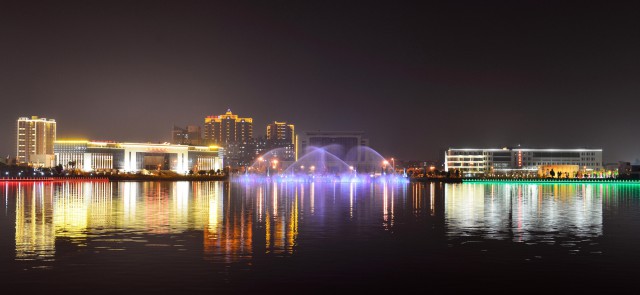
(384, 166)
(260, 159)
(393, 165)
(275, 164)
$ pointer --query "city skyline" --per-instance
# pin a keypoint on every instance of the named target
(416, 77)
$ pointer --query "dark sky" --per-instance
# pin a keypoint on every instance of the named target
(415, 77)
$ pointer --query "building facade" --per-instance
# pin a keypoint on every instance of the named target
(477, 162)
(191, 135)
(281, 139)
(349, 146)
(227, 128)
(281, 132)
(133, 157)
(35, 140)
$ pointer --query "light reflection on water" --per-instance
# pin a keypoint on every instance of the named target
(79, 210)
(524, 212)
(215, 225)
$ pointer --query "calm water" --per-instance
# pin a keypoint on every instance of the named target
(234, 237)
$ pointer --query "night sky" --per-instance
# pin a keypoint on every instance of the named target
(417, 78)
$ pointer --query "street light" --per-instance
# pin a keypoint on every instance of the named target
(384, 166)
(393, 165)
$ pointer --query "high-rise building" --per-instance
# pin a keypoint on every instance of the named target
(282, 140)
(227, 128)
(34, 142)
(281, 132)
(190, 135)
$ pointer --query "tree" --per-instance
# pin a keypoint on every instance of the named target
(552, 173)
(58, 169)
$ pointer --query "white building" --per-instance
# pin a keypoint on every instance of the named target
(132, 157)
(474, 162)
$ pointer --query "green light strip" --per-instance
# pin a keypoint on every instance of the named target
(540, 181)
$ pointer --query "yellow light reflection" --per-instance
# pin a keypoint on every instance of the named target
(35, 236)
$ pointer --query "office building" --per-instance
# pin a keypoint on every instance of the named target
(133, 157)
(227, 128)
(191, 135)
(281, 139)
(34, 142)
(339, 142)
(477, 162)
(281, 132)
(349, 146)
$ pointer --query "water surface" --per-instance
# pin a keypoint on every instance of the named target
(237, 237)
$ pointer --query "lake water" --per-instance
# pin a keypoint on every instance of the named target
(237, 237)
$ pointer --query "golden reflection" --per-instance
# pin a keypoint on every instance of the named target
(70, 210)
(129, 193)
(229, 235)
(385, 203)
(432, 198)
(281, 229)
(35, 236)
(234, 226)
(180, 216)
(312, 195)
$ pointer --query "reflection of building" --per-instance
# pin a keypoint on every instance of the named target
(523, 211)
(35, 139)
(511, 160)
(259, 220)
(45, 212)
(91, 155)
(227, 128)
(35, 234)
(190, 135)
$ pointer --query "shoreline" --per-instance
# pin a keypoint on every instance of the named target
(118, 178)
(550, 180)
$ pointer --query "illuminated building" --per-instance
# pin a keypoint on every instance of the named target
(34, 144)
(227, 128)
(92, 155)
(281, 137)
(474, 162)
(190, 135)
(281, 131)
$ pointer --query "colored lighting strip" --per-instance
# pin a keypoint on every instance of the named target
(52, 179)
(554, 181)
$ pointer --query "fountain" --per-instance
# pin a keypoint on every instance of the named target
(360, 164)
